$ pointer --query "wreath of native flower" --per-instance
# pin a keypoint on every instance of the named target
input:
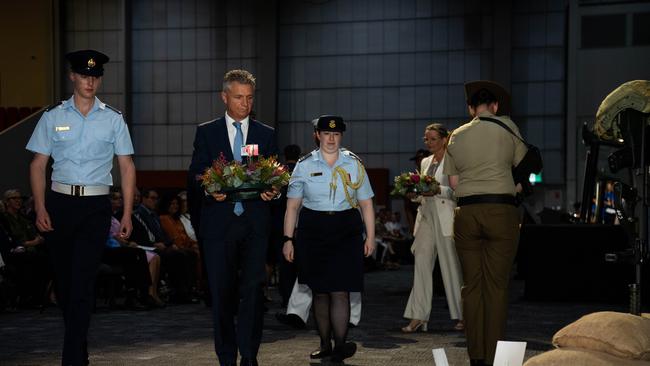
(231, 175)
(414, 182)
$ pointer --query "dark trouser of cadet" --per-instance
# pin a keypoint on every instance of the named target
(486, 237)
(243, 247)
(81, 226)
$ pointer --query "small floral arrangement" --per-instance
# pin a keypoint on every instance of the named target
(259, 174)
(414, 182)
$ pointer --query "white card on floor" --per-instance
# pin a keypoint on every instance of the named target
(439, 357)
(509, 353)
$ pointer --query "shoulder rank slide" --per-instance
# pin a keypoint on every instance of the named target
(113, 109)
(53, 106)
(351, 154)
(307, 156)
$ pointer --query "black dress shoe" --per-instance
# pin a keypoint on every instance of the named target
(320, 353)
(475, 362)
(248, 362)
(345, 351)
(292, 320)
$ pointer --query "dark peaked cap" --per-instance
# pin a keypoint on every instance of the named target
(499, 92)
(87, 62)
(329, 123)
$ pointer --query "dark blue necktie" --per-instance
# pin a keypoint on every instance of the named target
(236, 153)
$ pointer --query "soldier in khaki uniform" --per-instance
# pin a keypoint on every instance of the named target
(479, 160)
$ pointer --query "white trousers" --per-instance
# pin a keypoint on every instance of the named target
(428, 244)
(300, 303)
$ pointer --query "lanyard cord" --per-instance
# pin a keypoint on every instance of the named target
(345, 178)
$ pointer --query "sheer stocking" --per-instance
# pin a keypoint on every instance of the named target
(340, 316)
(332, 313)
(322, 316)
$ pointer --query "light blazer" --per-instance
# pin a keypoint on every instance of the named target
(444, 202)
(210, 141)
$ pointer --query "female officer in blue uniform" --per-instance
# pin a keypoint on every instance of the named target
(331, 184)
(82, 135)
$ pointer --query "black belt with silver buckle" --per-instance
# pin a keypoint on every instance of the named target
(329, 213)
(486, 198)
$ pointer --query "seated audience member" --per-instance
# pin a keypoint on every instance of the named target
(153, 259)
(188, 224)
(133, 261)
(385, 239)
(28, 209)
(7, 272)
(28, 256)
(400, 235)
(117, 203)
(142, 268)
(177, 264)
(185, 216)
(394, 225)
(175, 230)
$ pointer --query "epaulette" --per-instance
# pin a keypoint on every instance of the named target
(307, 156)
(53, 106)
(113, 109)
(351, 154)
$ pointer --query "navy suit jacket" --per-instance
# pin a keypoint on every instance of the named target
(140, 233)
(210, 217)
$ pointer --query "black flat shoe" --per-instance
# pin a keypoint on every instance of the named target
(319, 353)
(346, 351)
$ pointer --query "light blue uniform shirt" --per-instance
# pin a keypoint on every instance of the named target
(311, 180)
(82, 147)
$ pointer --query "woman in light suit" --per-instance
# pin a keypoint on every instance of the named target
(434, 230)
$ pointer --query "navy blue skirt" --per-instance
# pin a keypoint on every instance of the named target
(329, 250)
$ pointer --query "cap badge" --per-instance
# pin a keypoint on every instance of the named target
(91, 63)
(332, 123)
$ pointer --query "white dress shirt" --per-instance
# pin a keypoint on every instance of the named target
(232, 130)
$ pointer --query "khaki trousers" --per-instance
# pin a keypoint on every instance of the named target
(486, 238)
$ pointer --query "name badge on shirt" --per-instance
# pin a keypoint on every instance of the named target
(250, 150)
(62, 128)
(317, 174)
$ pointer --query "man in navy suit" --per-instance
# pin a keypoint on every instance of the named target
(234, 235)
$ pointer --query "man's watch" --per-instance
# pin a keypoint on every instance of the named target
(286, 239)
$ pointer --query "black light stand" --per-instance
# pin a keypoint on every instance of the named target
(591, 165)
(640, 247)
(591, 173)
(634, 156)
